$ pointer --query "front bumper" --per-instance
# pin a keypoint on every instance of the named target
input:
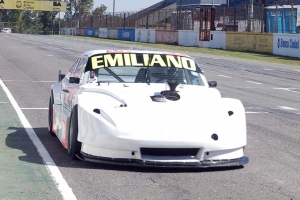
(163, 163)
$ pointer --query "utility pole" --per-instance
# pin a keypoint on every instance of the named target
(114, 6)
(250, 17)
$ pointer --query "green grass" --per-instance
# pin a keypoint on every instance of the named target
(270, 58)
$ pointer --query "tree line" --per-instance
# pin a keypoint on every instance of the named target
(45, 22)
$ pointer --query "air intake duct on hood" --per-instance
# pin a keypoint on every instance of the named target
(171, 94)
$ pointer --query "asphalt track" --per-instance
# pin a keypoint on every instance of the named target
(270, 93)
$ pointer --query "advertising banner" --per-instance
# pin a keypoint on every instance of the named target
(166, 36)
(72, 31)
(188, 38)
(286, 44)
(58, 6)
(145, 35)
(80, 31)
(126, 34)
(102, 33)
(112, 33)
(256, 42)
(89, 32)
(65, 31)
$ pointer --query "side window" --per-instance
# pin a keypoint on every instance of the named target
(71, 71)
(80, 68)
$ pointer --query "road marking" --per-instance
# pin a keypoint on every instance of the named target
(268, 69)
(4, 102)
(253, 82)
(285, 108)
(49, 55)
(56, 175)
(34, 108)
(224, 76)
(45, 81)
(256, 112)
(29, 81)
(287, 89)
(297, 70)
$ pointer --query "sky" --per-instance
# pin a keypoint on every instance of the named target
(125, 5)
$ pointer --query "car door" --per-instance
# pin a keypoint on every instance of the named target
(65, 83)
(75, 80)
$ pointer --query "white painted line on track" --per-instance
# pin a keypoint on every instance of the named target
(3, 102)
(34, 108)
(253, 82)
(256, 112)
(287, 89)
(49, 55)
(268, 69)
(225, 76)
(285, 108)
(56, 175)
(29, 81)
(45, 81)
(297, 70)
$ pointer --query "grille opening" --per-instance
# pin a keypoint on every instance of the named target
(169, 151)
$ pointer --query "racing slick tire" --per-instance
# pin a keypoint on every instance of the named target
(74, 146)
(50, 116)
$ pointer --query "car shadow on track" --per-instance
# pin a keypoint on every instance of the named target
(20, 140)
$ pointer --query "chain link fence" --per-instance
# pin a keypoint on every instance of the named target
(247, 18)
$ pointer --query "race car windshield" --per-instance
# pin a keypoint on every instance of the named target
(146, 68)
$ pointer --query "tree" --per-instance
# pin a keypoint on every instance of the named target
(99, 10)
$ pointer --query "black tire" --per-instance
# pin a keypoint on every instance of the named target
(50, 116)
(74, 145)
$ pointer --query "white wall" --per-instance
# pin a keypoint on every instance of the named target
(204, 44)
(72, 31)
(145, 35)
(218, 40)
(188, 38)
(286, 44)
(103, 33)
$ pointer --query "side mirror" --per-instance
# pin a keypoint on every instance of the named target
(60, 76)
(212, 84)
(74, 80)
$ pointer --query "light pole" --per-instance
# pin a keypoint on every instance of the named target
(114, 5)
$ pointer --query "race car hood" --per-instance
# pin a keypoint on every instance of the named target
(131, 113)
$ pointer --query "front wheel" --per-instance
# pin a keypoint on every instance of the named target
(50, 116)
(74, 145)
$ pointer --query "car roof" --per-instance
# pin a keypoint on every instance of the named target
(95, 52)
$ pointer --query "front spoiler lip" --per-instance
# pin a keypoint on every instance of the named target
(150, 163)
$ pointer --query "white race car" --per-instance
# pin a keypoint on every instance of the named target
(6, 30)
(145, 108)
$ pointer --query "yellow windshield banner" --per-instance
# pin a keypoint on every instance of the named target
(142, 60)
(57, 6)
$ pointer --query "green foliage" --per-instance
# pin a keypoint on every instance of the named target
(45, 22)
(29, 22)
(99, 10)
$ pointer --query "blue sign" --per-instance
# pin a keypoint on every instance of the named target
(288, 44)
(89, 32)
(126, 34)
